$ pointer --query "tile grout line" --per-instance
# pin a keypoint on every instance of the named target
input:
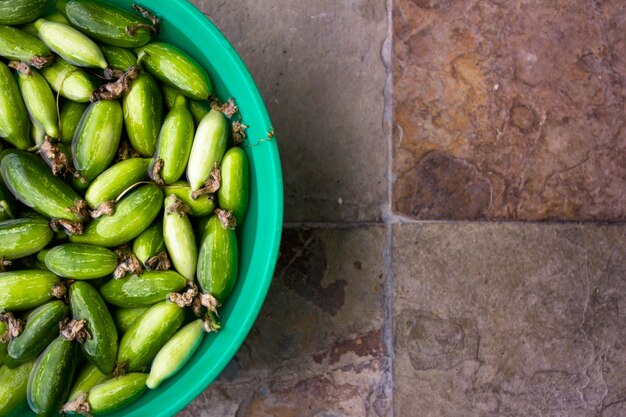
(387, 332)
(387, 213)
(329, 225)
(395, 221)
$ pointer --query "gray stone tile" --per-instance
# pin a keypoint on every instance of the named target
(317, 348)
(495, 320)
(319, 68)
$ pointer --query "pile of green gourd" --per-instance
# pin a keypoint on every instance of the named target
(121, 185)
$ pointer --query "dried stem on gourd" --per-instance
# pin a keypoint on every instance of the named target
(15, 326)
(239, 132)
(211, 185)
(66, 226)
(118, 88)
(155, 26)
(227, 218)
(128, 262)
(229, 109)
(74, 330)
(160, 262)
(78, 406)
(155, 172)
(126, 151)
(185, 299)
(57, 159)
(5, 264)
(106, 208)
(178, 207)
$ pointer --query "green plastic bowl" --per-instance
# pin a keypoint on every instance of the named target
(186, 27)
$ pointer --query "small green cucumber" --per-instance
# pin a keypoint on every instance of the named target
(101, 347)
(70, 82)
(142, 290)
(200, 228)
(41, 255)
(180, 240)
(14, 121)
(71, 113)
(169, 95)
(69, 43)
(174, 145)
(175, 353)
(116, 179)
(13, 384)
(209, 145)
(88, 377)
(148, 334)
(80, 261)
(53, 17)
(133, 214)
(51, 377)
(149, 243)
(16, 12)
(217, 262)
(31, 30)
(8, 205)
(41, 329)
(115, 393)
(79, 183)
(97, 138)
(29, 213)
(25, 315)
(56, 16)
(234, 190)
(24, 237)
(40, 102)
(40, 262)
(175, 68)
(198, 108)
(201, 206)
(106, 23)
(143, 114)
(17, 45)
(21, 290)
(32, 183)
(37, 133)
(118, 58)
(125, 317)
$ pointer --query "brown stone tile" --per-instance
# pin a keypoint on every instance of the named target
(318, 66)
(509, 320)
(317, 347)
(509, 109)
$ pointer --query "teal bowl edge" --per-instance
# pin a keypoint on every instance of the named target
(259, 237)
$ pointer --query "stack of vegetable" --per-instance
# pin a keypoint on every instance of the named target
(121, 186)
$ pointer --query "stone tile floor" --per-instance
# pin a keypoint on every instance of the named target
(392, 114)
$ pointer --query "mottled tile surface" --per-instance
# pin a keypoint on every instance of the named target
(501, 110)
(509, 109)
(317, 348)
(509, 320)
(319, 69)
